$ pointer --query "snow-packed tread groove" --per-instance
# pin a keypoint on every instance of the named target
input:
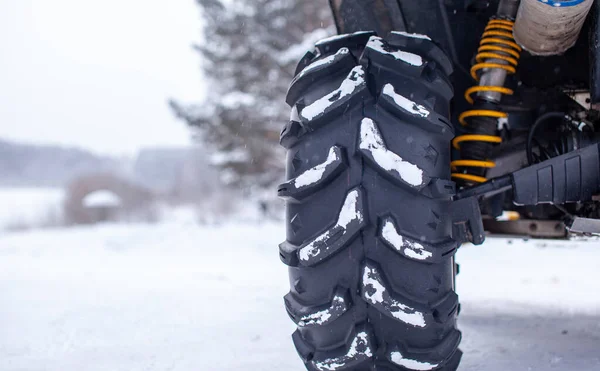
(412, 35)
(405, 108)
(342, 61)
(376, 292)
(393, 265)
(383, 53)
(403, 103)
(422, 45)
(377, 45)
(351, 219)
(374, 149)
(360, 350)
(353, 41)
(323, 63)
(307, 316)
(408, 247)
(419, 359)
(412, 248)
(314, 178)
(336, 100)
(345, 37)
(410, 363)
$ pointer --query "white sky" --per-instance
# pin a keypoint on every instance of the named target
(97, 73)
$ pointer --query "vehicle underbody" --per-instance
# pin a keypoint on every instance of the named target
(565, 88)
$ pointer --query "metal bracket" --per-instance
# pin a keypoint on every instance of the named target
(467, 225)
(585, 226)
(527, 227)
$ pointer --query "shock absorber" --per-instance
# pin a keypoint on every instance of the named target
(497, 56)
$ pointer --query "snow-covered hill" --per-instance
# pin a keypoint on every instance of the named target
(181, 297)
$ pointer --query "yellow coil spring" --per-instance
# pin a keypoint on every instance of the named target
(497, 43)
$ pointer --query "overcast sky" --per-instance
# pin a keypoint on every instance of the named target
(97, 73)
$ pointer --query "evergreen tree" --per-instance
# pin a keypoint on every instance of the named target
(249, 54)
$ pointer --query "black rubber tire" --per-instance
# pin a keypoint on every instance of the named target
(369, 233)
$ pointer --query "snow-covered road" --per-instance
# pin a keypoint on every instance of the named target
(181, 297)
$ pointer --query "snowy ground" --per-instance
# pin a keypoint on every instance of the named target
(29, 207)
(180, 297)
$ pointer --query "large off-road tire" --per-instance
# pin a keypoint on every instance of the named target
(369, 233)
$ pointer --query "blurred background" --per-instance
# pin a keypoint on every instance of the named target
(146, 111)
(138, 158)
(138, 219)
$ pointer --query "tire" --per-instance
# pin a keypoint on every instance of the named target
(369, 229)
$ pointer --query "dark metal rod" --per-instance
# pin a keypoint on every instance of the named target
(487, 189)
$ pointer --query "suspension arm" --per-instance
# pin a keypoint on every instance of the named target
(572, 177)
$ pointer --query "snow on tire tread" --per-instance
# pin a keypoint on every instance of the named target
(375, 292)
(354, 82)
(349, 222)
(374, 148)
(360, 349)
